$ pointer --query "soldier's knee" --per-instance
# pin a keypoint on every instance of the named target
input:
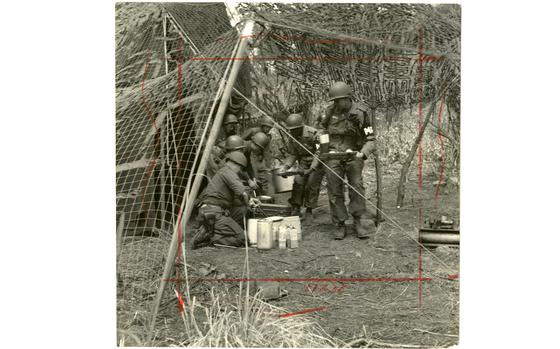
(209, 221)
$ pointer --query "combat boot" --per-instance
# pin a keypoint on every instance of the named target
(296, 210)
(201, 238)
(361, 230)
(340, 232)
(308, 215)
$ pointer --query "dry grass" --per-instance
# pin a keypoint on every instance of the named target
(217, 319)
(248, 322)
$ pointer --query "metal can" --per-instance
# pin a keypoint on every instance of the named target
(265, 238)
(282, 237)
(293, 238)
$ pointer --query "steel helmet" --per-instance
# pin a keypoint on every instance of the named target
(234, 142)
(266, 121)
(339, 90)
(230, 119)
(261, 139)
(294, 121)
(238, 158)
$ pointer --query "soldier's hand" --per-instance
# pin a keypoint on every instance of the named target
(253, 184)
(360, 155)
(254, 202)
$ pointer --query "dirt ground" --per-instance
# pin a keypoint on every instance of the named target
(391, 311)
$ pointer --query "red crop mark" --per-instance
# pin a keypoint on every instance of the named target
(442, 158)
(420, 212)
(453, 276)
(145, 188)
(305, 311)
(179, 235)
(324, 288)
(306, 40)
(180, 60)
(181, 302)
(401, 279)
(373, 59)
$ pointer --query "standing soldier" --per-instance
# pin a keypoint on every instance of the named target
(259, 163)
(349, 129)
(301, 148)
(221, 219)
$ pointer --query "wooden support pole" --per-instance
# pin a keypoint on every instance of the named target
(378, 174)
(165, 42)
(120, 229)
(377, 160)
(412, 152)
(188, 200)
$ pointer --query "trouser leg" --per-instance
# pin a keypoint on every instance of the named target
(297, 191)
(357, 205)
(228, 232)
(224, 229)
(238, 214)
(313, 186)
(336, 191)
(264, 180)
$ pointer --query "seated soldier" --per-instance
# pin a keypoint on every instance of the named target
(221, 220)
(302, 148)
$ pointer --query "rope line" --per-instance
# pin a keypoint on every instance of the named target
(282, 129)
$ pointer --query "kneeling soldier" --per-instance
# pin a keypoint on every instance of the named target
(221, 219)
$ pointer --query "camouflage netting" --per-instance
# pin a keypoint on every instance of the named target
(374, 48)
(162, 121)
(169, 66)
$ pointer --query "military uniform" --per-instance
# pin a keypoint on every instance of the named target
(216, 159)
(305, 191)
(259, 167)
(218, 205)
(351, 130)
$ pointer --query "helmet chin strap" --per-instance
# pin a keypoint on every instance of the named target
(343, 110)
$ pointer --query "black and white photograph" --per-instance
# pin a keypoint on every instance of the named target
(288, 174)
(275, 174)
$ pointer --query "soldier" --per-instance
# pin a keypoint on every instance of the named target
(230, 125)
(265, 125)
(217, 156)
(349, 128)
(306, 187)
(221, 220)
(259, 163)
